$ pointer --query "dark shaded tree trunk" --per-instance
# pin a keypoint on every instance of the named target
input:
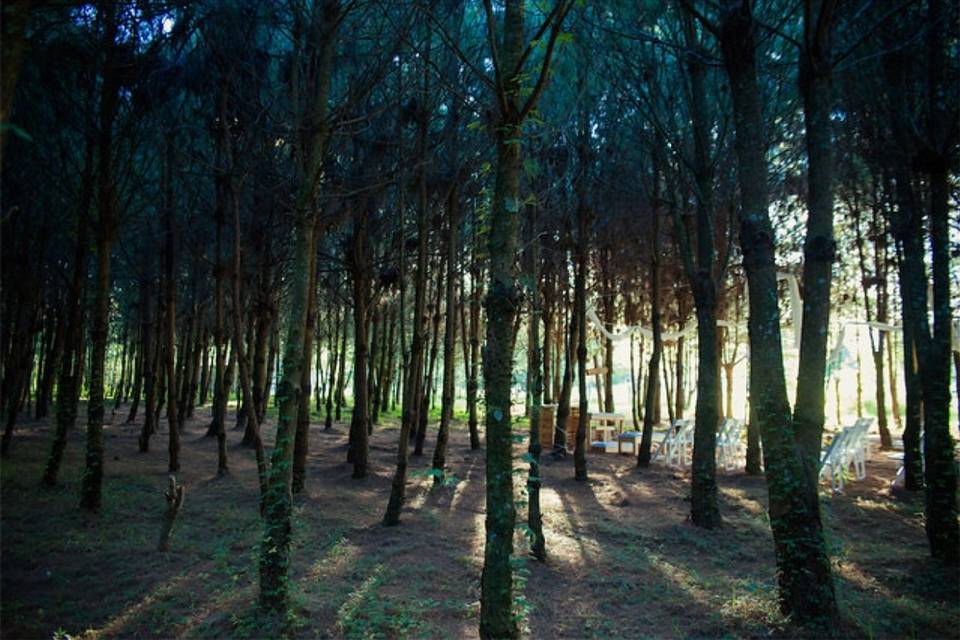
(703, 274)
(360, 267)
(68, 379)
(804, 573)
(319, 41)
(332, 367)
(940, 472)
(652, 392)
(426, 400)
(449, 335)
(137, 390)
(534, 448)
(580, 311)
(90, 492)
(570, 356)
(148, 324)
(301, 444)
(473, 384)
(170, 312)
(412, 381)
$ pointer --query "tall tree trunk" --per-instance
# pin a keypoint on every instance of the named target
(580, 310)
(118, 396)
(651, 400)
(534, 514)
(449, 334)
(301, 444)
(387, 355)
(496, 582)
(609, 313)
(497, 619)
(426, 401)
(68, 379)
(943, 530)
(819, 251)
(412, 381)
(473, 379)
(275, 547)
(804, 574)
(341, 367)
(106, 231)
(149, 363)
(361, 267)
(332, 367)
(563, 401)
(703, 274)
(170, 312)
(137, 389)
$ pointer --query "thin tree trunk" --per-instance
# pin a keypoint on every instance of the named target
(170, 313)
(449, 335)
(534, 514)
(68, 379)
(412, 381)
(301, 444)
(106, 231)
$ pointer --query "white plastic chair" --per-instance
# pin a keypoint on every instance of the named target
(683, 441)
(729, 443)
(834, 460)
(857, 449)
(674, 443)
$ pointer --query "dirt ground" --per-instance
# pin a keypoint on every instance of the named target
(624, 561)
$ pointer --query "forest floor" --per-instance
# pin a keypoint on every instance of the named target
(624, 560)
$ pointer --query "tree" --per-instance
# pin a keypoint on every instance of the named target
(509, 55)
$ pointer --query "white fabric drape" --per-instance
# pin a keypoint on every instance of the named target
(690, 327)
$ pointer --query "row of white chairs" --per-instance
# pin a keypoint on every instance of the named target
(848, 449)
(676, 448)
(730, 443)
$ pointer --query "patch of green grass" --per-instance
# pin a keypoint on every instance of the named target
(368, 613)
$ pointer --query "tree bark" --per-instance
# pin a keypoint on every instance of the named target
(534, 514)
(651, 400)
(275, 547)
(106, 232)
(68, 379)
(170, 312)
(449, 335)
(804, 574)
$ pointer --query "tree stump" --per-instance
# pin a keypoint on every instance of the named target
(174, 496)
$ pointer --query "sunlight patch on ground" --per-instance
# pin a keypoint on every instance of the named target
(461, 490)
(585, 548)
(119, 622)
(341, 555)
(742, 500)
(680, 577)
(852, 572)
(478, 541)
(353, 605)
(230, 598)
